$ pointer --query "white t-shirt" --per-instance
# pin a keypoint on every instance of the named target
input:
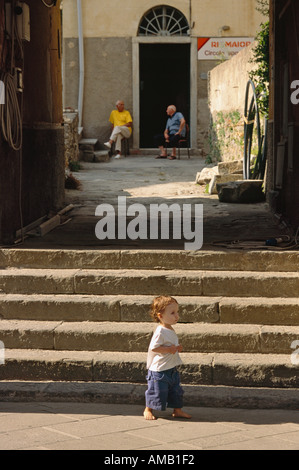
(158, 362)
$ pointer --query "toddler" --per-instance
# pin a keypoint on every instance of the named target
(163, 379)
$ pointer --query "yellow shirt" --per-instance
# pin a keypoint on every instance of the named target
(120, 118)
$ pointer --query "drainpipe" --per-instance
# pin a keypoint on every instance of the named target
(191, 22)
(81, 64)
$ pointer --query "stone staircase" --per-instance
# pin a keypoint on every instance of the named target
(90, 151)
(75, 324)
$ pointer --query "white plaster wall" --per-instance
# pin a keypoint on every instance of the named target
(119, 18)
(227, 82)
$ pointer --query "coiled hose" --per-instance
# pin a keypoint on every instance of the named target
(10, 114)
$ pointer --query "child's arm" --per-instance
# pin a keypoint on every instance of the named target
(172, 349)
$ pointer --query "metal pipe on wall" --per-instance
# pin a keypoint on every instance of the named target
(81, 63)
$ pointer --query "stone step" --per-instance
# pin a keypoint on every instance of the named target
(229, 260)
(133, 393)
(87, 143)
(149, 282)
(101, 156)
(217, 369)
(96, 156)
(259, 310)
(135, 308)
(128, 337)
(120, 308)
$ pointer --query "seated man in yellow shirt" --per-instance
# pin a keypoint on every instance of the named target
(121, 121)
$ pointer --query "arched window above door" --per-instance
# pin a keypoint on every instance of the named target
(164, 21)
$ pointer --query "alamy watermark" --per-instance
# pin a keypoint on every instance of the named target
(295, 94)
(2, 353)
(295, 354)
(146, 224)
(2, 92)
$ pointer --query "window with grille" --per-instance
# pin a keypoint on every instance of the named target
(164, 21)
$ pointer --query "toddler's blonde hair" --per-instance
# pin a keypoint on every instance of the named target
(159, 304)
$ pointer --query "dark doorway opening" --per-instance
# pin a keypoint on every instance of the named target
(164, 80)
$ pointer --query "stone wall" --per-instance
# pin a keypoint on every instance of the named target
(227, 87)
(71, 137)
(108, 78)
(203, 112)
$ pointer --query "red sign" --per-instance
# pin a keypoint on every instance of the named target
(221, 48)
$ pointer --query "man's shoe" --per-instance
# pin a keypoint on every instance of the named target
(108, 145)
(118, 156)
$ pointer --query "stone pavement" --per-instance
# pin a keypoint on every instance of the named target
(122, 428)
(146, 180)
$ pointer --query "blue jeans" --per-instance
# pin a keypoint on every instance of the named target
(164, 389)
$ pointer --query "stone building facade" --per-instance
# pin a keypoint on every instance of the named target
(150, 55)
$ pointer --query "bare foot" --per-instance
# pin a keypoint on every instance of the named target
(178, 413)
(148, 414)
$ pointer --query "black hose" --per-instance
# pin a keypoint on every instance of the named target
(251, 118)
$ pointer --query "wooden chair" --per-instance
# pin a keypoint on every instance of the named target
(125, 148)
(184, 141)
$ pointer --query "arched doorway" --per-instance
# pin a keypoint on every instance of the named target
(162, 71)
